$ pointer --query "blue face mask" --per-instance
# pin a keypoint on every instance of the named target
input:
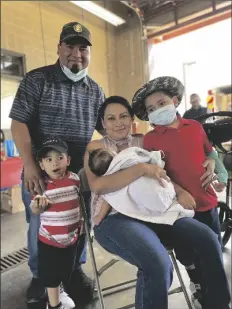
(74, 76)
(163, 116)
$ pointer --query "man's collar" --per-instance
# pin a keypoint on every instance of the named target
(162, 129)
(86, 81)
(200, 108)
(59, 75)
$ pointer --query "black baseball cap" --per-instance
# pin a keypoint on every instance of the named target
(75, 30)
(54, 144)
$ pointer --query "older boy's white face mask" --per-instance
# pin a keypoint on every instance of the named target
(163, 116)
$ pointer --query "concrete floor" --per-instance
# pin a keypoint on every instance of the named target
(15, 281)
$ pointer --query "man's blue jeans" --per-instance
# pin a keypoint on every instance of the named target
(138, 243)
(32, 234)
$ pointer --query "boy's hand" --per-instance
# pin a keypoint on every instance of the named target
(219, 186)
(208, 176)
(186, 200)
(39, 204)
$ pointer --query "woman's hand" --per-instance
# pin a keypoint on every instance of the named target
(208, 176)
(186, 200)
(155, 172)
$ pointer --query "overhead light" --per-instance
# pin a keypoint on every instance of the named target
(101, 12)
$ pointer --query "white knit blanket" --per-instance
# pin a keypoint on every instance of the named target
(145, 199)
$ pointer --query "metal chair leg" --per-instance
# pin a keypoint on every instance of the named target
(173, 258)
(107, 266)
(113, 261)
(92, 257)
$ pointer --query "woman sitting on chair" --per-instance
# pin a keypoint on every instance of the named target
(144, 244)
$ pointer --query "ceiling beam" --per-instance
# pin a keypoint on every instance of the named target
(190, 21)
(165, 8)
(190, 28)
(214, 5)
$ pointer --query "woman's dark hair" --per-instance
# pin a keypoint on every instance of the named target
(115, 100)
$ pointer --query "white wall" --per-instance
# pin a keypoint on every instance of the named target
(209, 47)
(6, 104)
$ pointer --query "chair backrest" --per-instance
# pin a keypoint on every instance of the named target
(84, 181)
(85, 195)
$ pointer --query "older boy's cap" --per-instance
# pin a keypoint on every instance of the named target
(166, 83)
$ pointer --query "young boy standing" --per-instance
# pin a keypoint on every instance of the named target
(185, 146)
(60, 241)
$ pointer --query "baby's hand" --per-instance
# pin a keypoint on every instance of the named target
(39, 204)
(219, 186)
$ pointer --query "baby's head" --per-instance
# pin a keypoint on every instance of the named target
(99, 161)
(53, 158)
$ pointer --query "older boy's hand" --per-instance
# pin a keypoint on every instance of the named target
(219, 186)
(186, 200)
(208, 176)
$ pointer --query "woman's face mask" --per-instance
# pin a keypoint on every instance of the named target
(163, 116)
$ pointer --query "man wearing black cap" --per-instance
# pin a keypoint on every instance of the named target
(62, 100)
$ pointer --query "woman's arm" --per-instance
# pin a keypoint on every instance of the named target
(121, 179)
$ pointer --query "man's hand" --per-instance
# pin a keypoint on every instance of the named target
(39, 204)
(186, 200)
(155, 172)
(32, 178)
(208, 176)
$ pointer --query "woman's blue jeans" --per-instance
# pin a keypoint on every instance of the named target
(138, 243)
(32, 234)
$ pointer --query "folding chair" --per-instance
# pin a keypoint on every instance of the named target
(85, 200)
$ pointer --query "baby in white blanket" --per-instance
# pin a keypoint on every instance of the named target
(144, 199)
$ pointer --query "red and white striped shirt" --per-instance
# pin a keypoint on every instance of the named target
(61, 222)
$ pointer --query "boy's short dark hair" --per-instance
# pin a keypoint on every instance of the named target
(165, 92)
(99, 161)
(51, 144)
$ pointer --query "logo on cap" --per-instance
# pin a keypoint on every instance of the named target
(77, 28)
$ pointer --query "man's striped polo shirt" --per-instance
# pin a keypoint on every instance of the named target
(50, 104)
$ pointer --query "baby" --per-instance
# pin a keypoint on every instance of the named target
(144, 199)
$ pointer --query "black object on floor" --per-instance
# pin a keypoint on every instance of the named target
(42, 304)
(36, 291)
